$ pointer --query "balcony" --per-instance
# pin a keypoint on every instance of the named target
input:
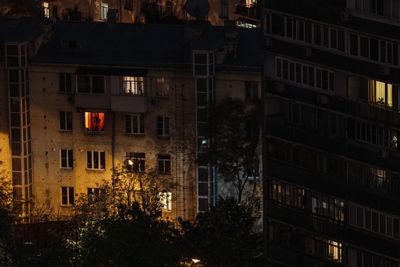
(92, 101)
(128, 103)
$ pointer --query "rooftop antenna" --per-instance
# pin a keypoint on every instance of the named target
(197, 8)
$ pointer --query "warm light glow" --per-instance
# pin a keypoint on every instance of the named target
(335, 250)
(195, 261)
(381, 93)
(94, 121)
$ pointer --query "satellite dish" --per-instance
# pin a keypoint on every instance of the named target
(197, 8)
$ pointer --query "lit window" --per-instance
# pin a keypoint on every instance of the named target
(242, 24)
(164, 164)
(165, 199)
(65, 121)
(162, 126)
(381, 93)
(66, 158)
(94, 121)
(96, 160)
(135, 161)
(103, 11)
(133, 85)
(134, 123)
(46, 10)
(335, 251)
(67, 196)
(250, 3)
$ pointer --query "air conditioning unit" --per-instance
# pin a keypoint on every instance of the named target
(322, 99)
(306, 51)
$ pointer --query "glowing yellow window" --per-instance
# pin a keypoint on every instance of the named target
(94, 121)
(46, 10)
(381, 93)
(335, 251)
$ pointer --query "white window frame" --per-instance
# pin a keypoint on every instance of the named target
(130, 118)
(64, 128)
(166, 131)
(99, 153)
(70, 162)
(68, 204)
(162, 162)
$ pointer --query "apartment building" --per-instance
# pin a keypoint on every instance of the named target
(81, 98)
(242, 13)
(331, 133)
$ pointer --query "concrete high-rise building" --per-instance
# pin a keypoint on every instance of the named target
(331, 144)
(80, 98)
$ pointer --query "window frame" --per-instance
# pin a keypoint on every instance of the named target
(69, 159)
(101, 160)
(85, 123)
(130, 120)
(164, 164)
(68, 195)
(67, 126)
(164, 122)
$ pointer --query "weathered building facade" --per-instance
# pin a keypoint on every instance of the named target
(102, 95)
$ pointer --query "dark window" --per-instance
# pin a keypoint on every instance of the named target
(278, 25)
(65, 121)
(353, 44)
(66, 158)
(96, 160)
(67, 196)
(134, 123)
(129, 4)
(374, 50)
(84, 84)
(98, 84)
(162, 126)
(364, 47)
(164, 164)
(65, 82)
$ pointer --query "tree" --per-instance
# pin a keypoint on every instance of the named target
(234, 146)
(20, 8)
(123, 225)
(223, 236)
(6, 218)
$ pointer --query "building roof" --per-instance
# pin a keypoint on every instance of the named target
(145, 45)
(19, 29)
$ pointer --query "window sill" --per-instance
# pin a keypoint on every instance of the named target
(66, 168)
(94, 132)
(135, 134)
(66, 206)
(65, 131)
(96, 170)
(65, 93)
